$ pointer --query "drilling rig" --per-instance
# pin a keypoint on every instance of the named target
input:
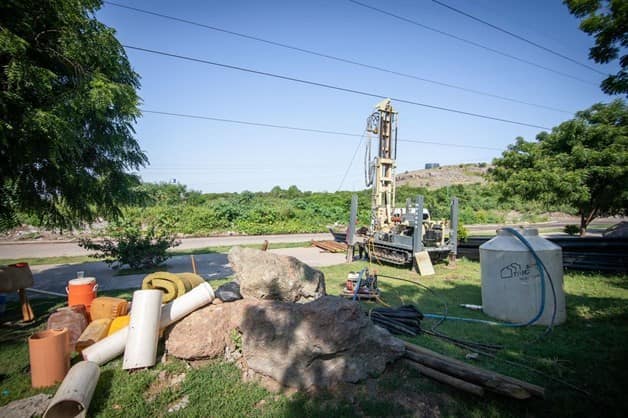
(396, 234)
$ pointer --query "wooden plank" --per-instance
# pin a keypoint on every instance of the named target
(494, 381)
(424, 263)
(331, 246)
(445, 378)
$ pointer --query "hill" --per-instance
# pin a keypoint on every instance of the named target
(435, 178)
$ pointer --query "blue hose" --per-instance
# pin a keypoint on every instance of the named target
(358, 283)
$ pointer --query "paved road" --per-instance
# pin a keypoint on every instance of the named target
(31, 249)
(54, 277)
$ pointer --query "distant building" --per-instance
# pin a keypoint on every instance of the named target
(431, 165)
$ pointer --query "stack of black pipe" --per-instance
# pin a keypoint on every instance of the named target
(405, 320)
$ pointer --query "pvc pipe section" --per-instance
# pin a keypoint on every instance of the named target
(108, 348)
(141, 344)
(75, 393)
(111, 347)
(201, 295)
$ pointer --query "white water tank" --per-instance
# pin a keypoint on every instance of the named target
(511, 282)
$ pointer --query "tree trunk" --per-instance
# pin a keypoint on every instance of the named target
(586, 218)
(583, 224)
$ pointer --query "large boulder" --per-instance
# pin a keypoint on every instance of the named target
(207, 332)
(320, 344)
(316, 344)
(264, 275)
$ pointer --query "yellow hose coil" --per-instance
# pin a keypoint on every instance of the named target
(172, 285)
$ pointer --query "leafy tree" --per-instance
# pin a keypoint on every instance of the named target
(67, 105)
(128, 242)
(164, 193)
(583, 162)
(607, 20)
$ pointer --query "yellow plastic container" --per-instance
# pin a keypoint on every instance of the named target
(118, 323)
(108, 307)
(95, 331)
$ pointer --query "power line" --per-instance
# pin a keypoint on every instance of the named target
(340, 59)
(521, 38)
(351, 162)
(467, 41)
(318, 131)
(332, 87)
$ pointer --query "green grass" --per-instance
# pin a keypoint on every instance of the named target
(37, 261)
(589, 351)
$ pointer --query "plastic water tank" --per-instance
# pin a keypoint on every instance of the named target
(511, 281)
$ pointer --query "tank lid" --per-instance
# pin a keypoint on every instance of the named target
(82, 281)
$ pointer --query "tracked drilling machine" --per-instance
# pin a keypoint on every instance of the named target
(396, 234)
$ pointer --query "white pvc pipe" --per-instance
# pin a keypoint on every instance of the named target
(108, 348)
(141, 343)
(111, 347)
(75, 393)
(196, 298)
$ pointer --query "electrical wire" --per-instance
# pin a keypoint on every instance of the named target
(332, 87)
(339, 59)
(441, 318)
(469, 42)
(521, 38)
(318, 131)
(350, 163)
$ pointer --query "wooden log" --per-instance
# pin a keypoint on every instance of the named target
(445, 378)
(489, 375)
(27, 311)
(490, 382)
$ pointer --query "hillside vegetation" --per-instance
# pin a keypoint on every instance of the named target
(293, 211)
(191, 213)
(435, 178)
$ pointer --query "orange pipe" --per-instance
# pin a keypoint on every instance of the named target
(49, 354)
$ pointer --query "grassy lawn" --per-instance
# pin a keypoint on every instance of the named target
(589, 351)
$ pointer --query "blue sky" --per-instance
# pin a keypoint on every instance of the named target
(219, 157)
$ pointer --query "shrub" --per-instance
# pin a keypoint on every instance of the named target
(130, 243)
(571, 229)
(462, 232)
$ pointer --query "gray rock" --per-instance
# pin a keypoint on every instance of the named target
(264, 275)
(316, 344)
(26, 408)
(228, 292)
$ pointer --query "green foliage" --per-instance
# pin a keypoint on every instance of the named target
(571, 229)
(462, 232)
(583, 163)
(236, 339)
(68, 102)
(607, 21)
(129, 243)
(289, 211)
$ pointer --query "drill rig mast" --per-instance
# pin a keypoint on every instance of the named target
(396, 234)
(383, 122)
